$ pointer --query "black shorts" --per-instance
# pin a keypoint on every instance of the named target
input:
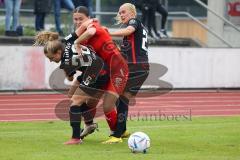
(97, 87)
(136, 80)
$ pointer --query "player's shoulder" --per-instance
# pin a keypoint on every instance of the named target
(134, 21)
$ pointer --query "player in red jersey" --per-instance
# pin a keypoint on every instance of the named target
(92, 34)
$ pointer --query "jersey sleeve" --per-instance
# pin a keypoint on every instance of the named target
(70, 38)
(134, 23)
(70, 71)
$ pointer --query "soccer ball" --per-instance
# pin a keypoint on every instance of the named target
(139, 142)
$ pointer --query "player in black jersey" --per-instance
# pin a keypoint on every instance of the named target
(91, 82)
(135, 49)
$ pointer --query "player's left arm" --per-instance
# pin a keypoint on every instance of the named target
(84, 26)
(88, 33)
(84, 32)
(124, 32)
(69, 72)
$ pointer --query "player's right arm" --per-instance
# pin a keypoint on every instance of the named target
(69, 71)
(87, 34)
(130, 29)
(124, 32)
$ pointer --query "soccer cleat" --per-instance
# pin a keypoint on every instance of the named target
(88, 129)
(113, 140)
(73, 141)
(126, 134)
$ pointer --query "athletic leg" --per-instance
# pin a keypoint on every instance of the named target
(109, 109)
(135, 81)
(89, 113)
(75, 114)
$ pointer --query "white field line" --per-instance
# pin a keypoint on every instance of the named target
(27, 100)
(26, 104)
(142, 112)
(153, 97)
(137, 105)
(138, 100)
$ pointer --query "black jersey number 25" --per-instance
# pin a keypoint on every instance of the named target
(144, 41)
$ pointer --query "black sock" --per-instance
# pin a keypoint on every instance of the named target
(75, 115)
(122, 113)
(87, 113)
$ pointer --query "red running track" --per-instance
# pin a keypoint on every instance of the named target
(177, 105)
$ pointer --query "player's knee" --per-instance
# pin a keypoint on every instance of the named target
(108, 108)
(77, 100)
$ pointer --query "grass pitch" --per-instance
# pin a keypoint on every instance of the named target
(212, 138)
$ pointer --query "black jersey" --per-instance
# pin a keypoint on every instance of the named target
(135, 46)
(89, 64)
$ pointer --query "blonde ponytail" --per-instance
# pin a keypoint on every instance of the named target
(44, 37)
(50, 41)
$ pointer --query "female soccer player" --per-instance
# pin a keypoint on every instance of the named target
(94, 75)
(91, 33)
(135, 49)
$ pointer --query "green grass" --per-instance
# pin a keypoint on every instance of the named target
(216, 138)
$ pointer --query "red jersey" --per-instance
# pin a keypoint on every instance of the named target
(105, 48)
(102, 43)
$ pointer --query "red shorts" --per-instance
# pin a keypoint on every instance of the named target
(118, 75)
